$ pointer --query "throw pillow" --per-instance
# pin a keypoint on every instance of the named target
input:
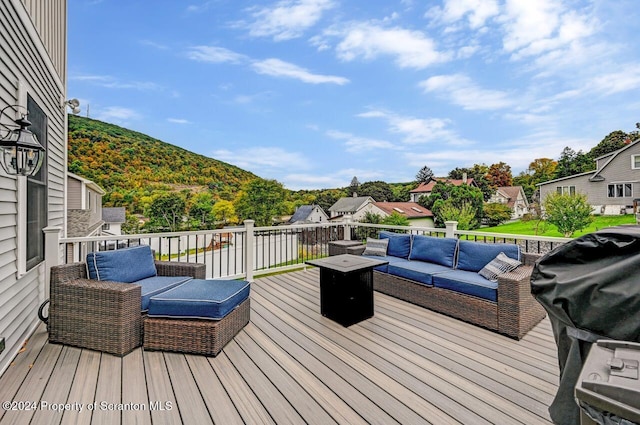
(499, 265)
(377, 247)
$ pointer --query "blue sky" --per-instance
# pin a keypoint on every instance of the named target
(314, 92)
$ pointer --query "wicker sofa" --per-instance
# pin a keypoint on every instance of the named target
(103, 315)
(441, 274)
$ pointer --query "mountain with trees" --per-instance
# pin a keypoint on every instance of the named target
(133, 168)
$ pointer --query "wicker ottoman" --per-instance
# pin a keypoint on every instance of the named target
(198, 317)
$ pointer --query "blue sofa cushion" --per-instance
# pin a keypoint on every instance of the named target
(202, 299)
(473, 256)
(384, 267)
(418, 271)
(123, 265)
(399, 244)
(434, 250)
(467, 283)
(156, 285)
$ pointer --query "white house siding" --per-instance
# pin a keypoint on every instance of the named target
(74, 194)
(33, 52)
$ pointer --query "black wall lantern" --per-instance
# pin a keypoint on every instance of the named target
(21, 153)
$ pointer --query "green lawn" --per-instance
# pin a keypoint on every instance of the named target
(546, 229)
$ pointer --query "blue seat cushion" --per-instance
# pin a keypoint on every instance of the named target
(202, 299)
(469, 283)
(418, 271)
(384, 267)
(399, 244)
(473, 256)
(158, 284)
(434, 250)
(122, 265)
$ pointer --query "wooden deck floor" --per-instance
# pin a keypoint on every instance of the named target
(290, 366)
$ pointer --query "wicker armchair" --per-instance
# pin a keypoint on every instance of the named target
(102, 315)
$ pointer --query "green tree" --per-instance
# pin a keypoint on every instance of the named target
(261, 200)
(464, 213)
(425, 175)
(166, 213)
(496, 213)
(200, 211)
(448, 196)
(378, 190)
(572, 162)
(479, 175)
(569, 213)
(224, 212)
(396, 219)
(612, 142)
(363, 233)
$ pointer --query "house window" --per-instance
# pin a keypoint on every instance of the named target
(36, 191)
(635, 162)
(620, 190)
(564, 190)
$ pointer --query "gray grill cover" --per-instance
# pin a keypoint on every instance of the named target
(590, 287)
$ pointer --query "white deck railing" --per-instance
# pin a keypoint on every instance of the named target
(247, 251)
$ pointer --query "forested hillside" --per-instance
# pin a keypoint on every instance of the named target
(131, 166)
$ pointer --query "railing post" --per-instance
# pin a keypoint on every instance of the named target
(248, 253)
(347, 228)
(51, 254)
(452, 227)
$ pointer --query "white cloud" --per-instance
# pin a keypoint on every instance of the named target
(476, 11)
(537, 27)
(263, 159)
(411, 49)
(178, 121)
(214, 54)
(116, 114)
(418, 130)
(279, 68)
(287, 19)
(462, 91)
(359, 144)
(114, 83)
(624, 78)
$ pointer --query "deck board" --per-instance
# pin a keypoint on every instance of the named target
(405, 365)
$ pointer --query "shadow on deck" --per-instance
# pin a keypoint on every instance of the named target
(291, 365)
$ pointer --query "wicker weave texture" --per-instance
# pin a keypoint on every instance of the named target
(196, 336)
(98, 315)
(101, 315)
(515, 313)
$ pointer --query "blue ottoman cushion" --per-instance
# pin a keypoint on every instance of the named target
(156, 285)
(201, 299)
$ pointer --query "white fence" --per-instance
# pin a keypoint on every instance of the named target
(247, 251)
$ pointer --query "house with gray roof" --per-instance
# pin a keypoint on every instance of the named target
(84, 207)
(354, 207)
(612, 188)
(306, 214)
(113, 219)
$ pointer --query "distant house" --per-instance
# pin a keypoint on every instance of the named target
(613, 188)
(354, 207)
(415, 213)
(113, 218)
(309, 214)
(425, 189)
(84, 207)
(514, 198)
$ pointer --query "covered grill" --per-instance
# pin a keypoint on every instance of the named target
(590, 288)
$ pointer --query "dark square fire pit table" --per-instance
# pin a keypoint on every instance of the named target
(346, 287)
